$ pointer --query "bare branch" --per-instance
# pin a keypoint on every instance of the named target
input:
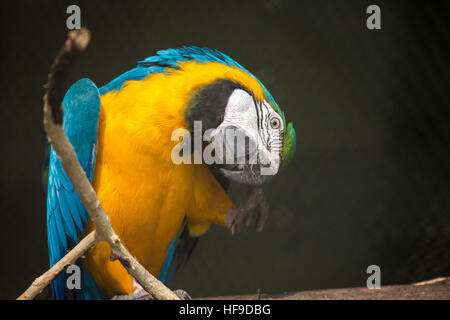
(77, 42)
(44, 280)
(435, 289)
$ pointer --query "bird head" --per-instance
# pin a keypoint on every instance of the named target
(252, 141)
(249, 133)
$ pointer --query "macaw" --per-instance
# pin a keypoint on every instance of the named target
(122, 137)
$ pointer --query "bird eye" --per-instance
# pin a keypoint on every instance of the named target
(275, 123)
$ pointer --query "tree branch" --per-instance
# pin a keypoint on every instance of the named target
(44, 280)
(76, 43)
(436, 289)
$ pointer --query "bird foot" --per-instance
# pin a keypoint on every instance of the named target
(183, 295)
(139, 293)
(240, 218)
(136, 295)
(144, 295)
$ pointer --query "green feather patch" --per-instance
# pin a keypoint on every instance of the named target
(289, 139)
(289, 145)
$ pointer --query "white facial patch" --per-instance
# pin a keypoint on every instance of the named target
(241, 113)
(254, 120)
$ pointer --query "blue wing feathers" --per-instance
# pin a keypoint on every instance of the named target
(66, 216)
(167, 272)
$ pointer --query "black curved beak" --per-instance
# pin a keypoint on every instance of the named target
(247, 162)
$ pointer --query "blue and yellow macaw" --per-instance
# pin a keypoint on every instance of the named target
(122, 136)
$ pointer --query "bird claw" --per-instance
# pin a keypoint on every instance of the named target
(137, 295)
(183, 295)
(240, 218)
(144, 295)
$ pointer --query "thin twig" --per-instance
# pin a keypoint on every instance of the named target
(71, 257)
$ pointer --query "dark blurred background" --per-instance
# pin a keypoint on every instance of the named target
(369, 184)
